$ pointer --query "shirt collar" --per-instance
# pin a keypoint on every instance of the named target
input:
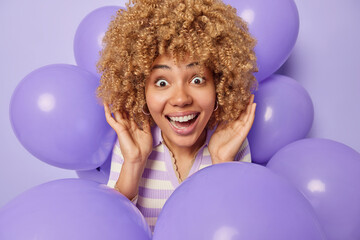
(156, 134)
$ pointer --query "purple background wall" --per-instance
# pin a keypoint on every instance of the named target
(33, 34)
(325, 60)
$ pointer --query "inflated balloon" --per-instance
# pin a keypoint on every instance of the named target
(237, 201)
(56, 117)
(284, 114)
(72, 209)
(100, 174)
(328, 174)
(275, 25)
(89, 35)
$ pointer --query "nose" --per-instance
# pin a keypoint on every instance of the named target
(181, 97)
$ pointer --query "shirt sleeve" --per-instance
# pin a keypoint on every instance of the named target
(244, 154)
(117, 161)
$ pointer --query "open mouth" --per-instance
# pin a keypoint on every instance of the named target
(183, 121)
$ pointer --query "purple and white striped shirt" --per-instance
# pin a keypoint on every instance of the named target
(159, 179)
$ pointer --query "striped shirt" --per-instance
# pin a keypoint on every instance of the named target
(159, 179)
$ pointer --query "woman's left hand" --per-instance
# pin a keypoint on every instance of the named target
(228, 137)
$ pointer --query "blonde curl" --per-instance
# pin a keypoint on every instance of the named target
(206, 30)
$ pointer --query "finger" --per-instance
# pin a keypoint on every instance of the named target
(249, 108)
(107, 112)
(252, 97)
(118, 116)
(111, 121)
(250, 104)
(245, 113)
(146, 126)
(121, 116)
(243, 116)
(248, 124)
(106, 108)
(125, 116)
(121, 119)
(251, 118)
(134, 125)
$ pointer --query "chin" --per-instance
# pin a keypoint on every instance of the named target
(185, 141)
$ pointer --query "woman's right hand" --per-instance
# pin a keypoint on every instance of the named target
(135, 143)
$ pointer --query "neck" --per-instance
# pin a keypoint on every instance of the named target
(185, 152)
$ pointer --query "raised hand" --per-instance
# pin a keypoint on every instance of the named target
(228, 137)
(135, 143)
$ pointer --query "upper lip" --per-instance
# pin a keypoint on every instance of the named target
(181, 114)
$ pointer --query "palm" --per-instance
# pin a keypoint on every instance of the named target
(228, 137)
(135, 143)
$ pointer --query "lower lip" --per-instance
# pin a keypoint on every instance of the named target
(185, 131)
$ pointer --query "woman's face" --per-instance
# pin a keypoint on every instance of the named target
(180, 99)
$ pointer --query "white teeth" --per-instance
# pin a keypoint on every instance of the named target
(183, 118)
(175, 125)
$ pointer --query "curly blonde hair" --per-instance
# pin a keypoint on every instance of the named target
(207, 31)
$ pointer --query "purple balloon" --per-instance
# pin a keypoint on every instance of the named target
(328, 174)
(72, 209)
(275, 25)
(284, 114)
(237, 201)
(89, 35)
(57, 118)
(100, 174)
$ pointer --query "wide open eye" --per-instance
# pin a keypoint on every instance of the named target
(161, 83)
(197, 80)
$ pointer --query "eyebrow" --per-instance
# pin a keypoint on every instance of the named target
(162, 66)
(192, 64)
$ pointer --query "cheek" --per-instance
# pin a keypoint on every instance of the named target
(155, 104)
(207, 102)
(209, 105)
